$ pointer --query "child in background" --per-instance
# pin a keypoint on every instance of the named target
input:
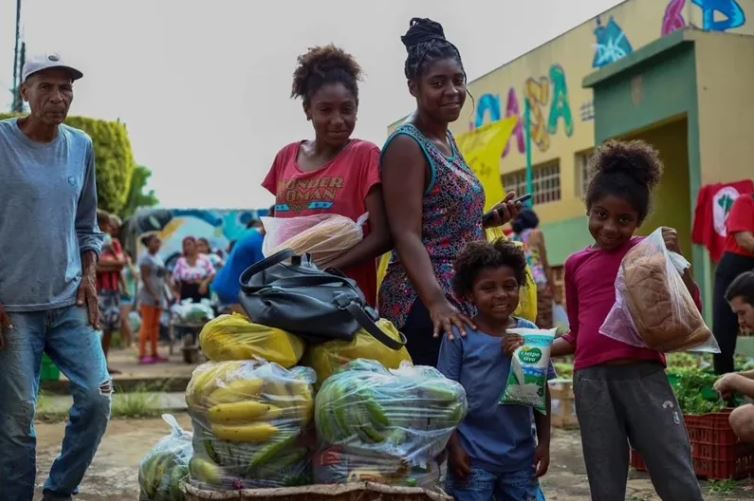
(622, 393)
(493, 454)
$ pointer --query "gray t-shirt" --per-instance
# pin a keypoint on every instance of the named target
(48, 217)
(156, 279)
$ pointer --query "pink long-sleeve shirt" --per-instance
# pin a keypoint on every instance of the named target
(590, 294)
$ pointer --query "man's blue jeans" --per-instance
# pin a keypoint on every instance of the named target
(67, 337)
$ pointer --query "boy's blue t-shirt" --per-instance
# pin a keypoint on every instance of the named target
(498, 438)
(247, 251)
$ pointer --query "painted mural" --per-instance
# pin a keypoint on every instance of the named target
(721, 15)
(673, 19)
(612, 44)
(220, 227)
(549, 108)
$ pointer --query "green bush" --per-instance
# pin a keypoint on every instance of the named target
(113, 156)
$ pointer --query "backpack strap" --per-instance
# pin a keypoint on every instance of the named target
(262, 265)
(357, 312)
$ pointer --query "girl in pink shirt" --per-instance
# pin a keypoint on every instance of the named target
(333, 173)
(622, 393)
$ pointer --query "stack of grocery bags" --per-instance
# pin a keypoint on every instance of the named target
(275, 409)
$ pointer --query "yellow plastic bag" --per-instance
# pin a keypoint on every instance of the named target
(327, 358)
(234, 337)
(527, 303)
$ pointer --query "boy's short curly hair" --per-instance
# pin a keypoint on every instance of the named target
(479, 255)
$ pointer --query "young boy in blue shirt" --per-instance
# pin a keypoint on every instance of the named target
(493, 455)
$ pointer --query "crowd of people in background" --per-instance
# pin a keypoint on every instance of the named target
(147, 288)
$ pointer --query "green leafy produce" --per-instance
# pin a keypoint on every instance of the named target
(387, 426)
(695, 391)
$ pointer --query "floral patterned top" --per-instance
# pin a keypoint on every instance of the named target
(452, 210)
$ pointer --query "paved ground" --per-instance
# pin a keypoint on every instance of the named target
(113, 476)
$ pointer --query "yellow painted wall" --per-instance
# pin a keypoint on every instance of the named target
(574, 55)
(725, 81)
(562, 116)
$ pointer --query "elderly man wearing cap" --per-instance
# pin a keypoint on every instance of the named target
(48, 299)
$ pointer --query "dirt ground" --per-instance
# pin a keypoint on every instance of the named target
(113, 475)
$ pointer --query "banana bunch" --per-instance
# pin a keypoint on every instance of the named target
(248, 419)
(165, 467)
(235, 337)
(381, 418)
(160, 477)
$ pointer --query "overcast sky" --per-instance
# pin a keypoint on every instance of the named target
(203, 86)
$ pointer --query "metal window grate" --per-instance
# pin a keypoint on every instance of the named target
(546, 180)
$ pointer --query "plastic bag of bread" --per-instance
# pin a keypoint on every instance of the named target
(653, 308)
(323, 236)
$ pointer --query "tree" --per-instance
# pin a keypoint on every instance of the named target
(137, 197)
(113, 157)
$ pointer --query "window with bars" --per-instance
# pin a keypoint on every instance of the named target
(546, 181)
(582, 159)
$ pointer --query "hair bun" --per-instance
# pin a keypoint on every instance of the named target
(635, 159)
(422, 30)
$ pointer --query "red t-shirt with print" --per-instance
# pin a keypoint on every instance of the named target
(339, 187)
(740, 219)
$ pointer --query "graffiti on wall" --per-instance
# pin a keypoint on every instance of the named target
(538, 95)
(560, 108)
(549, 107)
(512, 109)
(611, 45)
(732, 14)
(673, 19)
(219, 227)
(489, 104)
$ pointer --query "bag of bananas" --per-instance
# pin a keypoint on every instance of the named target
(250, 424)
(387, 426)
(235, 337)
(165, 467)
(326, 358)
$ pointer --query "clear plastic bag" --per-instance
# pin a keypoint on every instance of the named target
(653, 308)
(530, 363)
(388, 426)
(166, 466)
(327, 358)
(190, 312)
(251, 422)
(235, 337)
(323, 236)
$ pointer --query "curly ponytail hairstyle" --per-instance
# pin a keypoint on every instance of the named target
(625, 169)
(425, 42)
(320, 66)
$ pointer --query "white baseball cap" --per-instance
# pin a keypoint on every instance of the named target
(42, 62)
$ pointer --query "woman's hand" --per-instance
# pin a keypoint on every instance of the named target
(511, 342)
(445, 317)
(505, 211)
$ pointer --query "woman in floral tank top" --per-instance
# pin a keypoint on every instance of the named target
(434, 201)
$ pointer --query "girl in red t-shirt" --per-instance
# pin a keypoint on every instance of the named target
(333, 173)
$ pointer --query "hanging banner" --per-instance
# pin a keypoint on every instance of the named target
(482, 148)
